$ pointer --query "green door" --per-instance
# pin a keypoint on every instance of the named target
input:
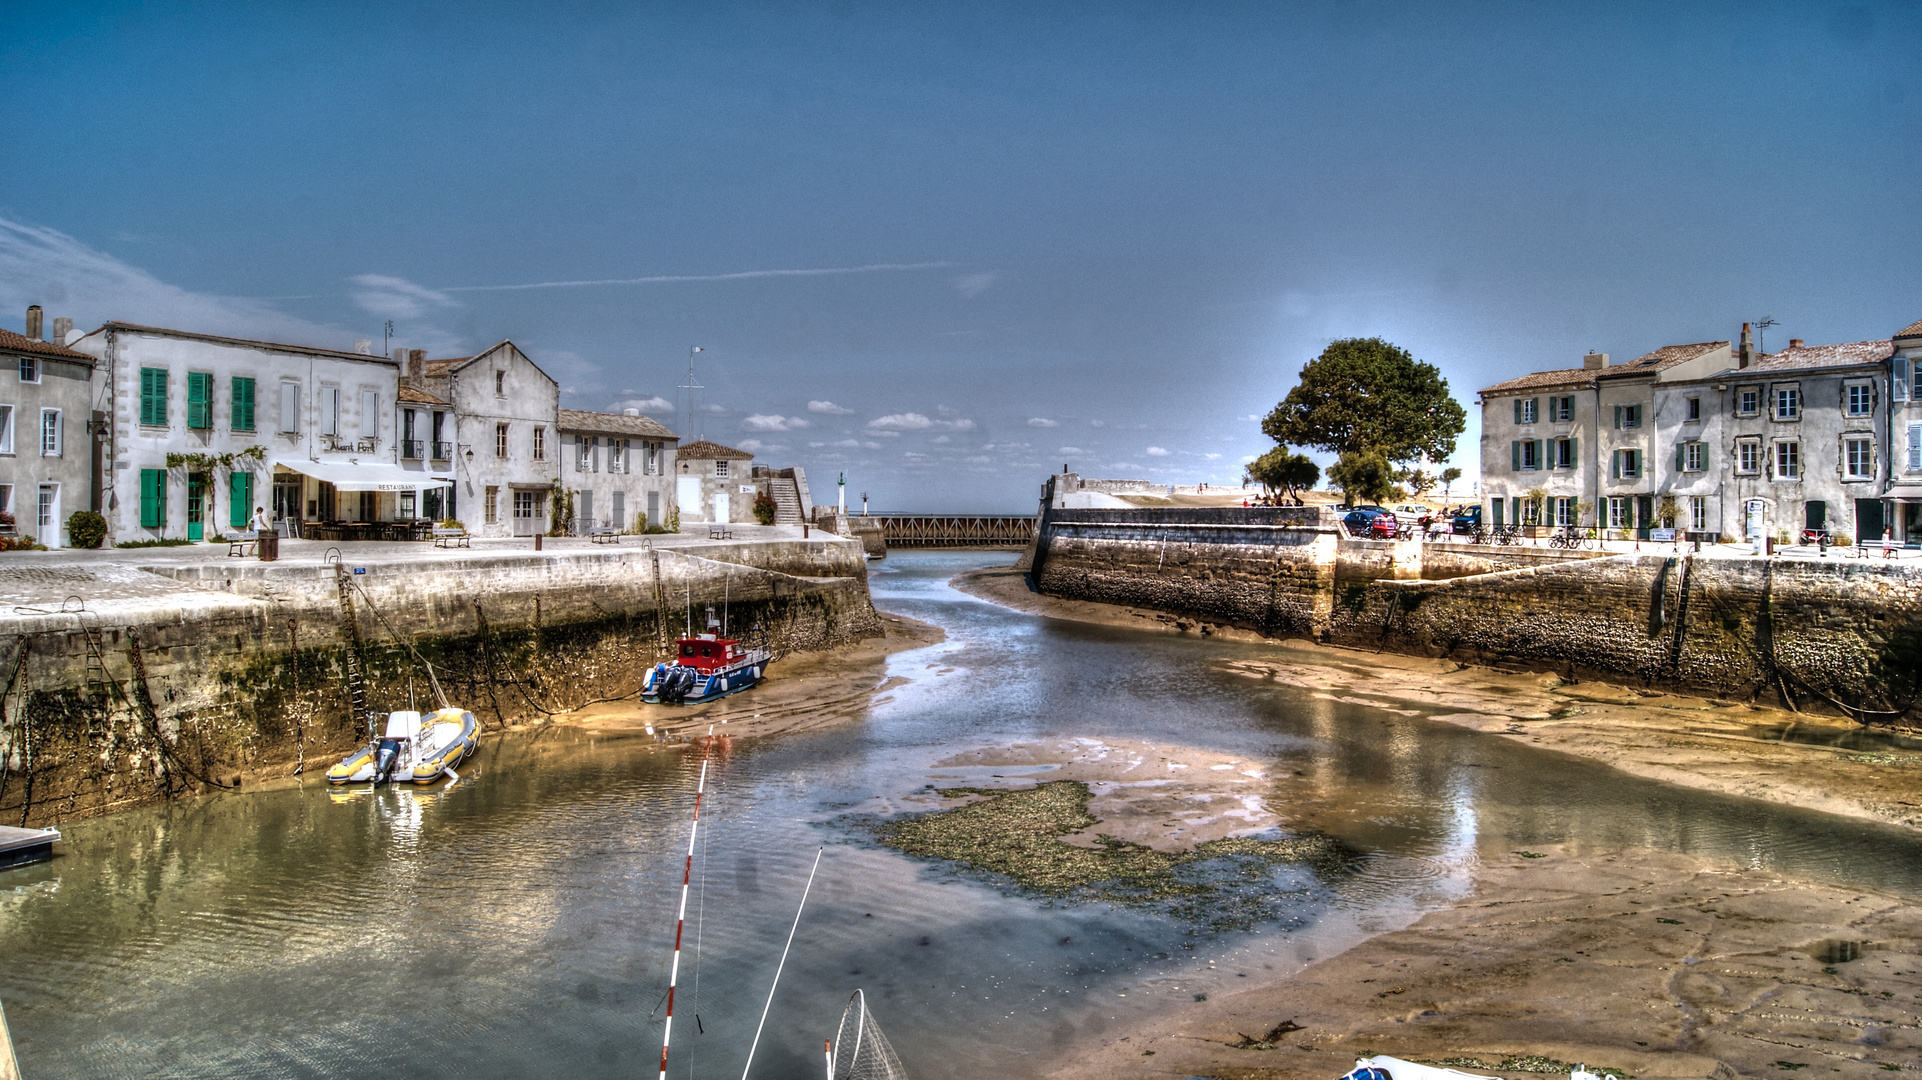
(196, 506)
(1644, 515)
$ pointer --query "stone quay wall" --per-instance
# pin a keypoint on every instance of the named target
(244, 663)
(1829, 632)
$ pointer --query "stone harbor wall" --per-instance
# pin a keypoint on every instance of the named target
(171, 678)
(1825, 632)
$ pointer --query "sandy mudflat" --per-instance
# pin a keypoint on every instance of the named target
(1691, 741)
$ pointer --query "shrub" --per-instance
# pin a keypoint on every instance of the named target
(165, 541)
(453, 523)
(86, 529)
(20, 543)
(764, 508)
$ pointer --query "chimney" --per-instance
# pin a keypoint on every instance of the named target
(1747, 353)
(416, 362)
(400, 355)
(364, 346)
(62, 330)
(630, 412)
(33, 323)
(1795, 343)
(1595, 361)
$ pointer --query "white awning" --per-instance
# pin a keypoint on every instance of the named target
(366, 476)
(1904, 492)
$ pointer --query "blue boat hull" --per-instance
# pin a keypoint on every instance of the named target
(709, 687)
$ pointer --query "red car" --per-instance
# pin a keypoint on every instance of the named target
(1371, 522)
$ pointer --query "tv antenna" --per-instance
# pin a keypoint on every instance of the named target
(1761, 333)
(387, 338)
(692, 384)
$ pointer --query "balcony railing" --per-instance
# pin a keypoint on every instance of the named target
(411, 449)
(443, 451)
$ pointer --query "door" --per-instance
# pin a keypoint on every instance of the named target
(584, 513)
(530, 513)
(688, 496)
(720, 507)
(1868, 520)
(196, 506)
(1644, 515)
(1815, 515)
(287, 500)
(1755, 522)
(618, 517)
(654, 509)
(47, 516)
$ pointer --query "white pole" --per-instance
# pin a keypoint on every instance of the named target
(827, 1047)
(9, 1067)
(779, 967)
(680, 922)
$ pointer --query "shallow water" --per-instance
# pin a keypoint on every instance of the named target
(521, 923)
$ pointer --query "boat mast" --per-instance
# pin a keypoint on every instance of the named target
(680, 921)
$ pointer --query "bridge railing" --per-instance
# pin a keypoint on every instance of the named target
(956, 530)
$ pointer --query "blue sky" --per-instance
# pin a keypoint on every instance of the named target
(1107, 235)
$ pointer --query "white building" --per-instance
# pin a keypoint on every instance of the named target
(504, 436)
(714, 483)
(205, 428)
(48, 456)
(1904, 468)
(617, 469)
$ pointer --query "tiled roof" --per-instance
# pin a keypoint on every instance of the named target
(1665, 357)
(1542, 380)
(1805, 357)
(409, 395)
(1914, 329)
(219, 339)
(20, 343)
(619, 424)
(704, 449)
(442, 367)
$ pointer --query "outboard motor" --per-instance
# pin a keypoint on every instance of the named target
(384, 759)
(402, 727)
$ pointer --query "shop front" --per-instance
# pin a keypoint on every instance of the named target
(349, 501)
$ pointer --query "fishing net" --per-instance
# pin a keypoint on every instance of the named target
(859, 1050)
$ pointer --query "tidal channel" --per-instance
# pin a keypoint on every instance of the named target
(520, 924)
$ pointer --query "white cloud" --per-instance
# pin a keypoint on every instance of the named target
(829, 408)
(1071, 451)
(978, 459)
(943, 439)
(1250, 417)
(397, 298)
(856, 444)
(885, 434)
(973, 285)
(654, 404)
(715, 410)
(772, 422)
(1039, 421)
(1156, 451)
(1097, 423)
(756, 446)
(1247, 458)
(913, 421)
(1211, 457)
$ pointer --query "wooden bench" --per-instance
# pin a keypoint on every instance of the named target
(445, 538)
(719, 532)
(605, 534)
(242, 547)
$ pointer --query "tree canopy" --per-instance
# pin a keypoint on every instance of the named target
(1364, 476)
(1280, 470)
(1366, 396)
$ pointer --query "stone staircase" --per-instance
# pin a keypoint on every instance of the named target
(787, 500)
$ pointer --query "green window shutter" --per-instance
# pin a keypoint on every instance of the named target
(1536, 404)
(1518, 410)
(1515, 457)
(153, 498)
(1704, 457)
(1679, 448)
(1541, 453)
(153, 397)
(240, 498)
(1574, 454)
(1618, 417)
(200, 400)
(242, 418)
(1615, 465)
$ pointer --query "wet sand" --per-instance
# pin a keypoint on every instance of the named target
(1648, 962)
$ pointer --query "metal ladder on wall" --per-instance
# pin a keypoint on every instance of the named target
(350, 631)
(660, 609)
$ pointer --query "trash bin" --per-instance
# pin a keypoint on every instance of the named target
(267, 546)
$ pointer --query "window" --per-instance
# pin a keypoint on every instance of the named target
(1915, 445)
(1691, 457)
(1698, 513)
(6, 431)
(410, 447)
(200, 400)
(1861, 400)
(1617, 512)
(370, 414)
(1901, 389)
(241, 415)
(1748, 400)
(540, 443)
(720, 467)
(330, 410)
(406, 506)
(617, 459)
(524, 505)
(1628, 416)
(493, 505)
(1858, 459)
(29, 369)
(1788, 403)
(500, 384)
(6, 498)
(1788, 461)
(1564, 455)
(1692, 409)
(1628, 464)
(1526, 410)
(582, 451)
(500, 440)
(1530, 510)
(290, 408)
(1564, 510)
(651, 464)
(153, 397)
(153, 498)
(1525, 455)
(49, 432)
(1561, 409)
(1748, 456)
(44, 519)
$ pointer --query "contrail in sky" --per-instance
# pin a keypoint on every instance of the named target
(873, 268)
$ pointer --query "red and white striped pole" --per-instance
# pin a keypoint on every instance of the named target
(680, 921)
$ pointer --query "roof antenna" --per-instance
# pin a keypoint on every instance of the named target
(1762, 334)
(692, 384)
(387, 338)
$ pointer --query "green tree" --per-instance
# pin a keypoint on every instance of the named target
(1448, 478)
(1364, 476)
(1419, 482)
(1279, 470)
(1366, 396)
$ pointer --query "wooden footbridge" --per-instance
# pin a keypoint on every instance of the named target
(956, 530)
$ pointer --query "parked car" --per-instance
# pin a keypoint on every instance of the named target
(1416, 512)
(1468, 521)
(1371, 522)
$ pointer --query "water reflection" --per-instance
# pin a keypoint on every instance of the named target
(520, 922)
